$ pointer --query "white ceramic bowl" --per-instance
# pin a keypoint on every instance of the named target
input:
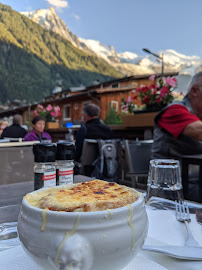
(83, 241)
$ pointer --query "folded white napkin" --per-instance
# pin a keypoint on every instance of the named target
(164, 228)
(17, 259)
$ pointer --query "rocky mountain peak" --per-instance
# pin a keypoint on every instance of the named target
(48, 19)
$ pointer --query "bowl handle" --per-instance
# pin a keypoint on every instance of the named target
(74, 252)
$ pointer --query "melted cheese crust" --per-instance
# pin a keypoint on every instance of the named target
(96, 195)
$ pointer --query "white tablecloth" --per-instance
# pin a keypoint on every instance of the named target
(16, 259)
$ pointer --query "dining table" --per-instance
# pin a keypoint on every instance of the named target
(164, 229)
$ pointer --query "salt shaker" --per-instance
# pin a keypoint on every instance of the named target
(65, 163)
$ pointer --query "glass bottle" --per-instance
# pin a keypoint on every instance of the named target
(44, 165)
(65, 163)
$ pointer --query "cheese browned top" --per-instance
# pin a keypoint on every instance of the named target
(96, 195)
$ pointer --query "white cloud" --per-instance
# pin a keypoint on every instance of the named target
(58, 3)
(76, 17)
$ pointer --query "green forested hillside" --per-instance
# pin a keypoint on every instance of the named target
(31, 57)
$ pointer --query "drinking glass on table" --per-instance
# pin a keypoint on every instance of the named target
(8, 226)
(164, 179)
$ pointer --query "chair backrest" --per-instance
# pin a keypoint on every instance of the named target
(100, 158)
(89, 155)
(138, 155)
(89, 152)
(106, 164)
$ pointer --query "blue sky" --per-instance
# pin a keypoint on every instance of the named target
(130, 25)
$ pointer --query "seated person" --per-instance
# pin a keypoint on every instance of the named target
(15, 130)
(93, 128)
(38, 134)
(3, 125)
(178, 127)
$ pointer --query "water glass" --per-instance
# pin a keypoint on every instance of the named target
(164, 179)
(8, 226)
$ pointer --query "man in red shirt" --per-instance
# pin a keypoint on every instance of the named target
(178, 127)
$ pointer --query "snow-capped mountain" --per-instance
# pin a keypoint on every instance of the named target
(128, 63)
(48, 19)
(173, 61)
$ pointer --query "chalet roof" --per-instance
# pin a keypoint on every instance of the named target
(79, 88)
(134, 77)
(104, 84)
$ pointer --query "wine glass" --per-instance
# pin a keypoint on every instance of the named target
(164, 179)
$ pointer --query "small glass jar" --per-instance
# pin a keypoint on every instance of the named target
(44, 165)
(64, 172)
(65, 163)
(44, 175)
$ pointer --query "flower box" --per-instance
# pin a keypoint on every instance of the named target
(141, 119)
(51, 125)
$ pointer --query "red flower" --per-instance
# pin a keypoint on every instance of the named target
(163, 91)
(135, 97)
(158, 100)
(146, 99)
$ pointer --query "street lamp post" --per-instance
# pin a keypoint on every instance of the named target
(157, 56)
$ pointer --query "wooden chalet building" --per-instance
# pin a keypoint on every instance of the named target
(72, 101)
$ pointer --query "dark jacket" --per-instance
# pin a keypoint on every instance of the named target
(93, 129)
(14, 131)
(167, 146)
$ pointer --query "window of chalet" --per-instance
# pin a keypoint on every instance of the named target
(67, 112)
(115, 85)
(115, 105)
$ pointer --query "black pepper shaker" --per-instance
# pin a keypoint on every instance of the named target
(44, 165)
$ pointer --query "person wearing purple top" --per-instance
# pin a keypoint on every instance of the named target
(38, 134)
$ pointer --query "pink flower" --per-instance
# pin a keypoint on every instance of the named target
(152, 77)
(53, 114)
(163, 91)
(57, 114)
(57, 109)
(129, 99)
(49, 108)
(171, 81)
(35, 113)
(40, 107)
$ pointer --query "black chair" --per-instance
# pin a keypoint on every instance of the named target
(100, 159)
(137, 157)
(89, 155)
(194, 161)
